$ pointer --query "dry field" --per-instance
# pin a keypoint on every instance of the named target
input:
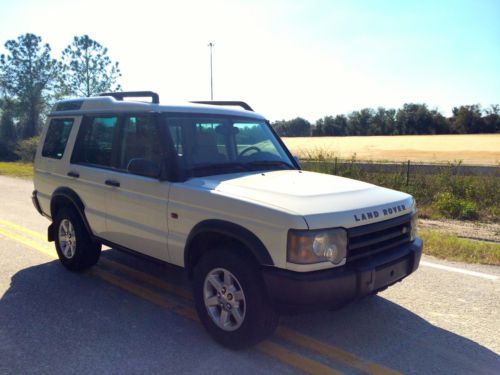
(480, 149)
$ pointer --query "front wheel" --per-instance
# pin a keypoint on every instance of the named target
(231, 299)
(76, 249)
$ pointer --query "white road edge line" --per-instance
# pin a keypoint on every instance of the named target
(459, 270)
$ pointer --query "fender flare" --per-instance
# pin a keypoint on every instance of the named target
(231, 230)
(69, 194)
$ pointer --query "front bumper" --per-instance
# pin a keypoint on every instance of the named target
(332, 288)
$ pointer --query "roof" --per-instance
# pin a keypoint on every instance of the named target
(103, 104)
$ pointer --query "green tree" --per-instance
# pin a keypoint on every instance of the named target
(383, 122)
(415, 119)
(331, 126)
(492, 119)
(467, 119)
(27, 73)
(298, 127)
(87, 69)
(358, 122)
(7, 125)
(440, 123)
(7, 129)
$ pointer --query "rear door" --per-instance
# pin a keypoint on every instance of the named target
(91, 163)
(137, 205)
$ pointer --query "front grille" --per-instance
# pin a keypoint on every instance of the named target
(374, 238)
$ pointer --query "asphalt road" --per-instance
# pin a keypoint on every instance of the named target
(128, 316)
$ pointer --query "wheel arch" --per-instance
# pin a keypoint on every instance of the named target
(209, 232)
(64, 197)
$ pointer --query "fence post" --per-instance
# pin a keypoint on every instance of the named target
(335, 166)
(408, 173)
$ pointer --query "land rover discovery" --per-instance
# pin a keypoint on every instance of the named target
(214, 190)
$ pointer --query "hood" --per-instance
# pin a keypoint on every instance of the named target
(323, 200)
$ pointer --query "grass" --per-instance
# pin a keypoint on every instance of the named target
(16, 169)
(450, 247)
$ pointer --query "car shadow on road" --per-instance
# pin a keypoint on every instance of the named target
(386, 333)
(52, 321)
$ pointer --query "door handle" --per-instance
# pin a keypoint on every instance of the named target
(73, 174)
(112, 183)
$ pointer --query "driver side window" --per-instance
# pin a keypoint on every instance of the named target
(253, 136)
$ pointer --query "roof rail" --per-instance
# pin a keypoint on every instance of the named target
(155, 98)
(229, 103)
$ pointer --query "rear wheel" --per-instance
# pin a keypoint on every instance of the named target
(75, 247)
(231, 299)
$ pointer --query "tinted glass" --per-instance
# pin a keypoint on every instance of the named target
(253, 138)
(176, 136)
(139, 139)
(57, 137)
(95, 141)
(224, 145)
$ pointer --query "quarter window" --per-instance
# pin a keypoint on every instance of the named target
(57, 137)
(95, 141)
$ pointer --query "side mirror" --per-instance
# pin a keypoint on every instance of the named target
(144, 167)
(297, 160)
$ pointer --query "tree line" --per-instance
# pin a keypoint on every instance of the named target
(32, 79)
(411, 119)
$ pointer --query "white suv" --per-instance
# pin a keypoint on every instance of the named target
(215, 190)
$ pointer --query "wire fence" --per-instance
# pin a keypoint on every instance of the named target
(408, 168)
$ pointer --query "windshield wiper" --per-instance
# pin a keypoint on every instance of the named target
(219, 166)
(270, 163)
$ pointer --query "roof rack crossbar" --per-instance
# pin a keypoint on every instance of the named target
(155, 98)
(228, 103)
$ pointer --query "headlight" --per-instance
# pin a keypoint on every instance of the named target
(307, 247)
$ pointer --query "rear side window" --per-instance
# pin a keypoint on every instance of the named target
(57, 137)
(95, 141)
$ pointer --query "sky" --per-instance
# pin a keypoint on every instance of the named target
(286, 58)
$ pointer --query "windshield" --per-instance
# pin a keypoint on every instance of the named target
(207, 145)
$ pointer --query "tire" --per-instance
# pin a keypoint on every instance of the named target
(75, 247)
(258, 319)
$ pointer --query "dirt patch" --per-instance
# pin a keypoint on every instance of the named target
(476, 231)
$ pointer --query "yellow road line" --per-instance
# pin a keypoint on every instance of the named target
(329, 351)
(276, 351)
(305, 364)
(152, 280)
(332, 352)
(30, 243)
(132, 288)
(269, 348)
(22, 229)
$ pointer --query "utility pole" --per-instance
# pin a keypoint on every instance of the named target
(211, 45)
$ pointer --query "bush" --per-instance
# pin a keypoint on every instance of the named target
(7, 151)
(450, 206)
(26, 149)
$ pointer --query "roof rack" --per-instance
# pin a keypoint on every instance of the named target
(155, 98)
(229, 103)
